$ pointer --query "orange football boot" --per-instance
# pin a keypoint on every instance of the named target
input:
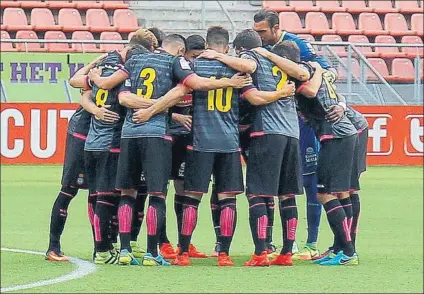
(182, 260)
(283, 259)
(258, 260)
(224, 260)
(53, 256)
(193, 252)
(167, 251)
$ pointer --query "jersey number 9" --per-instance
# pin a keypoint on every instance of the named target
(216, 98)
(276, 71)
(149, 76)
(101, 97)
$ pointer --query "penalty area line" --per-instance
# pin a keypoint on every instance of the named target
(84, 268)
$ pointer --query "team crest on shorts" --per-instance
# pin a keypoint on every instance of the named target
(181, 170)
(80, 179)
(142, 178)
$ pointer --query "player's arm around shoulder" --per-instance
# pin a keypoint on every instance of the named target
(256, 97)
(244, 65)
(101, 113)
(80, 78)
(310, 88)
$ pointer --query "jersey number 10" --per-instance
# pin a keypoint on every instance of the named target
(216, 98)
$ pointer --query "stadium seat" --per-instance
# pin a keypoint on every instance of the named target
(112, 5)
(125, 20)
(89, 47)
(6, 47)
(33, 47)
(130, 35)
(110, 36)
(417, 23)
(402, 70)
(33, 4)
(290, 21)
(396, 25)
(370, 23)
(356, 6)
(408, 6)
(382, 6)
(307, 37)
(344, 24)
(98, 21)
(42, 20)
(14, 19)
(355, 69)
(412, 52)
(388, 52)
(87, 4)
(380, 66)
(339, 50)
(367, 51)
(12, 4)
(317, 23)
(303, 6)
(278, 6)
(56, 47)
(70, 19)
(330, 6)
(57, 4)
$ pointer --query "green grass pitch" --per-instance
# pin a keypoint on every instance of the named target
(390, 243)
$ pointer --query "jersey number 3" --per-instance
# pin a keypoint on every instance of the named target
(216, 98)
(149, 76)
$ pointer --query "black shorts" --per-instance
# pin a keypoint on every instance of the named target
(179, 151)
(244, 144)
(363, 146)
(73, 167)
(225, 167)
(152, 156)
(101, 167)
(336, 164)
(274, 166)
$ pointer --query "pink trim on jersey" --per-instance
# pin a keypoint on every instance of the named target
(247, 92)
(262, 224)
(186, 79)
(86, 83)
(115, 150)
(360, 131)
(257, 134)
(90, 213)
(125, 213)
(106, 193)
(187, 87)
(125, 72)
(291, 226)
(302, 86)
(334, 208)
(79, 136)
(226, 220)
(189, 147)
(93, 195)
(346, 230)
(168, 138)
(257, 204)
(105, 203)
(156, 194)
(194, 192)
(189, 220)
(326, 137)
(66, 194)
(231, 192)
(152, 221)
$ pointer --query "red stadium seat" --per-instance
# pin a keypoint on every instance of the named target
(344, 24)
(354, 68)
(388, 52)
(412, 52)
(357, 6)
(318, 24)
(290, 21)
(14, 19)
(6, 47)
(303, 6)
(330, 6)
(408, 6)
(98, 21)
(370, 23)
(382, 6)
(125, 20)
(13, 4)
(70, 19)
(89, 47)
(307, 37)
(56, 47)
(278, 6)
(42, 20)
(396, 24)
(339, 50)
(57, 4)
(112, 5)
(380, 66)
(402, 70)
(110, 36)
(33, 4)
(417, 23)
(87, 4)
(34, 47)
(367, 51)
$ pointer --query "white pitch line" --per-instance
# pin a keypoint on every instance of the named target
(83, 269)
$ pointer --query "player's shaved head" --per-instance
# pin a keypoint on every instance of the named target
(145, 38)
(217, 36)
(287, 49)
(247, 40)
(174, 44)
(159, 34)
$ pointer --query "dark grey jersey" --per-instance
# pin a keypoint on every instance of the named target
(356, 118)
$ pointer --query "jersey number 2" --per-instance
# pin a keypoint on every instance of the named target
(276, 71)
(101, 97)
(216, 98)
(149, 76)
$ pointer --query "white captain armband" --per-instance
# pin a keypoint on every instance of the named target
(343, 104)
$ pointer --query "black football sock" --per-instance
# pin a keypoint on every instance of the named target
(138, 214)
(189, 222)
(288, 215)
(114, 230)
(125, 216)
(258, 220)
(178, 208)
(91, 207)
(163, 236)
(270, 208)
(59, 214)
(356, 209)
(102, 219)
(155, 220)
(338, 222)
(228, 221)
(215, 211)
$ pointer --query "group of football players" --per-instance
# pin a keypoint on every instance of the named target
(172, 108)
